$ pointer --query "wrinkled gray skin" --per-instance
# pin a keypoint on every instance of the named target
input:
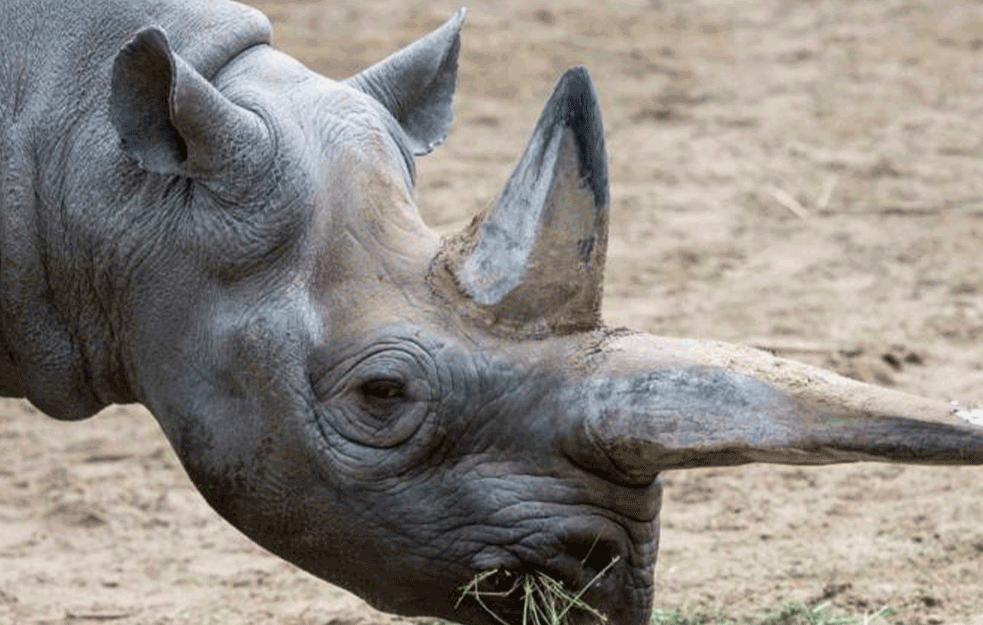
(195, 221)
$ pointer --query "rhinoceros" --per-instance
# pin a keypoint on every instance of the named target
(197, 222)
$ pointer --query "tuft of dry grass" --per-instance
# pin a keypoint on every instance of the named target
(545, 600)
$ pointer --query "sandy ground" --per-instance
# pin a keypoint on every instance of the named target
(803, 176)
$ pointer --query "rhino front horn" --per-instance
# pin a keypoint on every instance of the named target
(534, 262)
(655, 404)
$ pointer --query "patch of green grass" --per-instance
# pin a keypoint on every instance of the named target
(676, 617)
(788, 614)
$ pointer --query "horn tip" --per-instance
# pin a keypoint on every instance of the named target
(578, 109)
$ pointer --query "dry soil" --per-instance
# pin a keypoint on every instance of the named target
(802, 176)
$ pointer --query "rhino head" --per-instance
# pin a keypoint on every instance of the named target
(397, 412)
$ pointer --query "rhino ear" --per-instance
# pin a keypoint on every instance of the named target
(417, 84)
(536, 259)
(171, 120)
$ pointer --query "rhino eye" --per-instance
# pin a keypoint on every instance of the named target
(377, 396)
(383, 389)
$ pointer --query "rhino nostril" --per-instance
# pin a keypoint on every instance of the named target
(596, 554)
(589, 447)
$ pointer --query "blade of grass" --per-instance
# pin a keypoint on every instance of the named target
(576, 601)
(472, 589)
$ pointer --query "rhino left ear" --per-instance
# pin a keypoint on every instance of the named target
(417, 84)
(172, 121)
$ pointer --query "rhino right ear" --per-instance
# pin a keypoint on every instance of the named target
(171, 120)
(417, 84)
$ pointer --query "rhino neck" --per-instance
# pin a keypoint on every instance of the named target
(59, 350)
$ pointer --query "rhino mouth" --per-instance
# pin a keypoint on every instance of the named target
(575, 587)
(535, 598)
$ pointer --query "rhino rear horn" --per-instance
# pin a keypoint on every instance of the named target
(417, 84)
(535, 261)
(171, 120)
